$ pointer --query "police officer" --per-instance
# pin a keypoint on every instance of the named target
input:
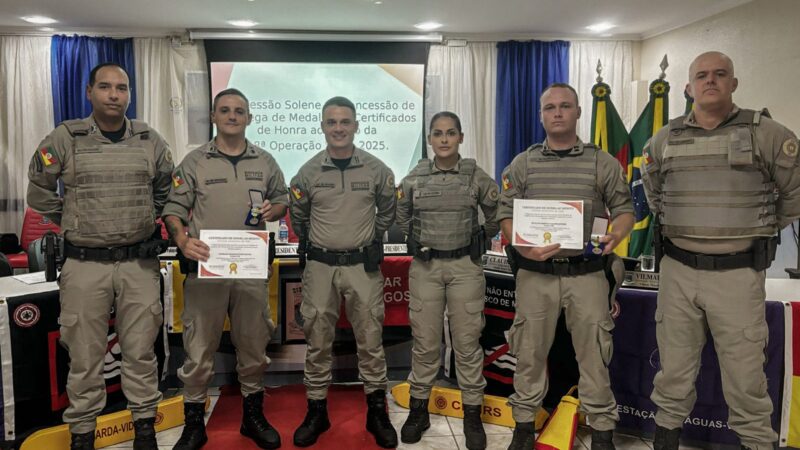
(437, 208)
(711, 177)
(116, 175)
(342, 201)
(550, 279)
(211, 190)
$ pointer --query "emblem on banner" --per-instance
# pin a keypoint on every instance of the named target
(27, 315)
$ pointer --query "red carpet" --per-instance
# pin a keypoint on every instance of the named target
(285, 408)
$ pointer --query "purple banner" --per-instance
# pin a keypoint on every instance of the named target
(636, 362)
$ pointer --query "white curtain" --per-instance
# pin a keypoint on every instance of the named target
(172, 91)
(26, 116)
(463, 80)
(617, 60)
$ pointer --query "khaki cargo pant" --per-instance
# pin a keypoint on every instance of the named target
(457, 286)
(729, 303)
(207, 303)
(89, 289)
(539, 300)
(324, 287)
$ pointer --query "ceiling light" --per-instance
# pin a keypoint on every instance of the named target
(47, 29)
(39, 20)
(427, 26)
(600, 27)
(245, 23)
(378, 2)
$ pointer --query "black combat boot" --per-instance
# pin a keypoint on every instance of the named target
(315, 423)
(603, 440)
(144, 434)
(524, 437)
(194, 435)
(378, 422)
(473, 428)
(255, 425)
(82, 441)
(417, 422)
(666, 439)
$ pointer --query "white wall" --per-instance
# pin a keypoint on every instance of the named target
(763, 39)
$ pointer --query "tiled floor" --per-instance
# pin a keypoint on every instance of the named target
(445, 433)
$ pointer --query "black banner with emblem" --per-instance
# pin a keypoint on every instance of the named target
(38, 366)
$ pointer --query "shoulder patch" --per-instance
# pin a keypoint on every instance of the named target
(297, 192)
(789, 147)
(507, 183)
(178, 179)
(493, 193)
(390, 181)
(48, 155)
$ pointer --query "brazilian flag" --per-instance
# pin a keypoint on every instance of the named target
(609, 133)
(654, 116)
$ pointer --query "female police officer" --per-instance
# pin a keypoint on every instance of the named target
(437, 208)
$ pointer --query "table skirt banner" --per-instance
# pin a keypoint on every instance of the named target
(35, 366)
(790, 426)
(635, 363)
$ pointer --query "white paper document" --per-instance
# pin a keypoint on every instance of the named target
(543, 222)
(235, 254)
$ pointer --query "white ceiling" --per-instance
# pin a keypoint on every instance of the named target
(493, 20)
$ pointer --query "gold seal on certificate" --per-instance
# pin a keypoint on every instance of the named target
(235, 254)
(543, 222)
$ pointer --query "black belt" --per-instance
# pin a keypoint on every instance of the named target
(426, 254)
(336, 258)
(709, 262)
(570, 266)
(116, 254)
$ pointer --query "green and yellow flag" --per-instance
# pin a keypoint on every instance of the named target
(654, 116)
(608, 133)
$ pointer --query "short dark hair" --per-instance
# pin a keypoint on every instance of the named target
(340, 101)
(565, 86)
(93, 73)
(447, 114)
(229, 91)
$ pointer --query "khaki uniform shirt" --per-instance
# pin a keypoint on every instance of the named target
(482, 185)
(610, 182)
(778, 148)
(216, 192)
(342, 209)
(54, 159)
